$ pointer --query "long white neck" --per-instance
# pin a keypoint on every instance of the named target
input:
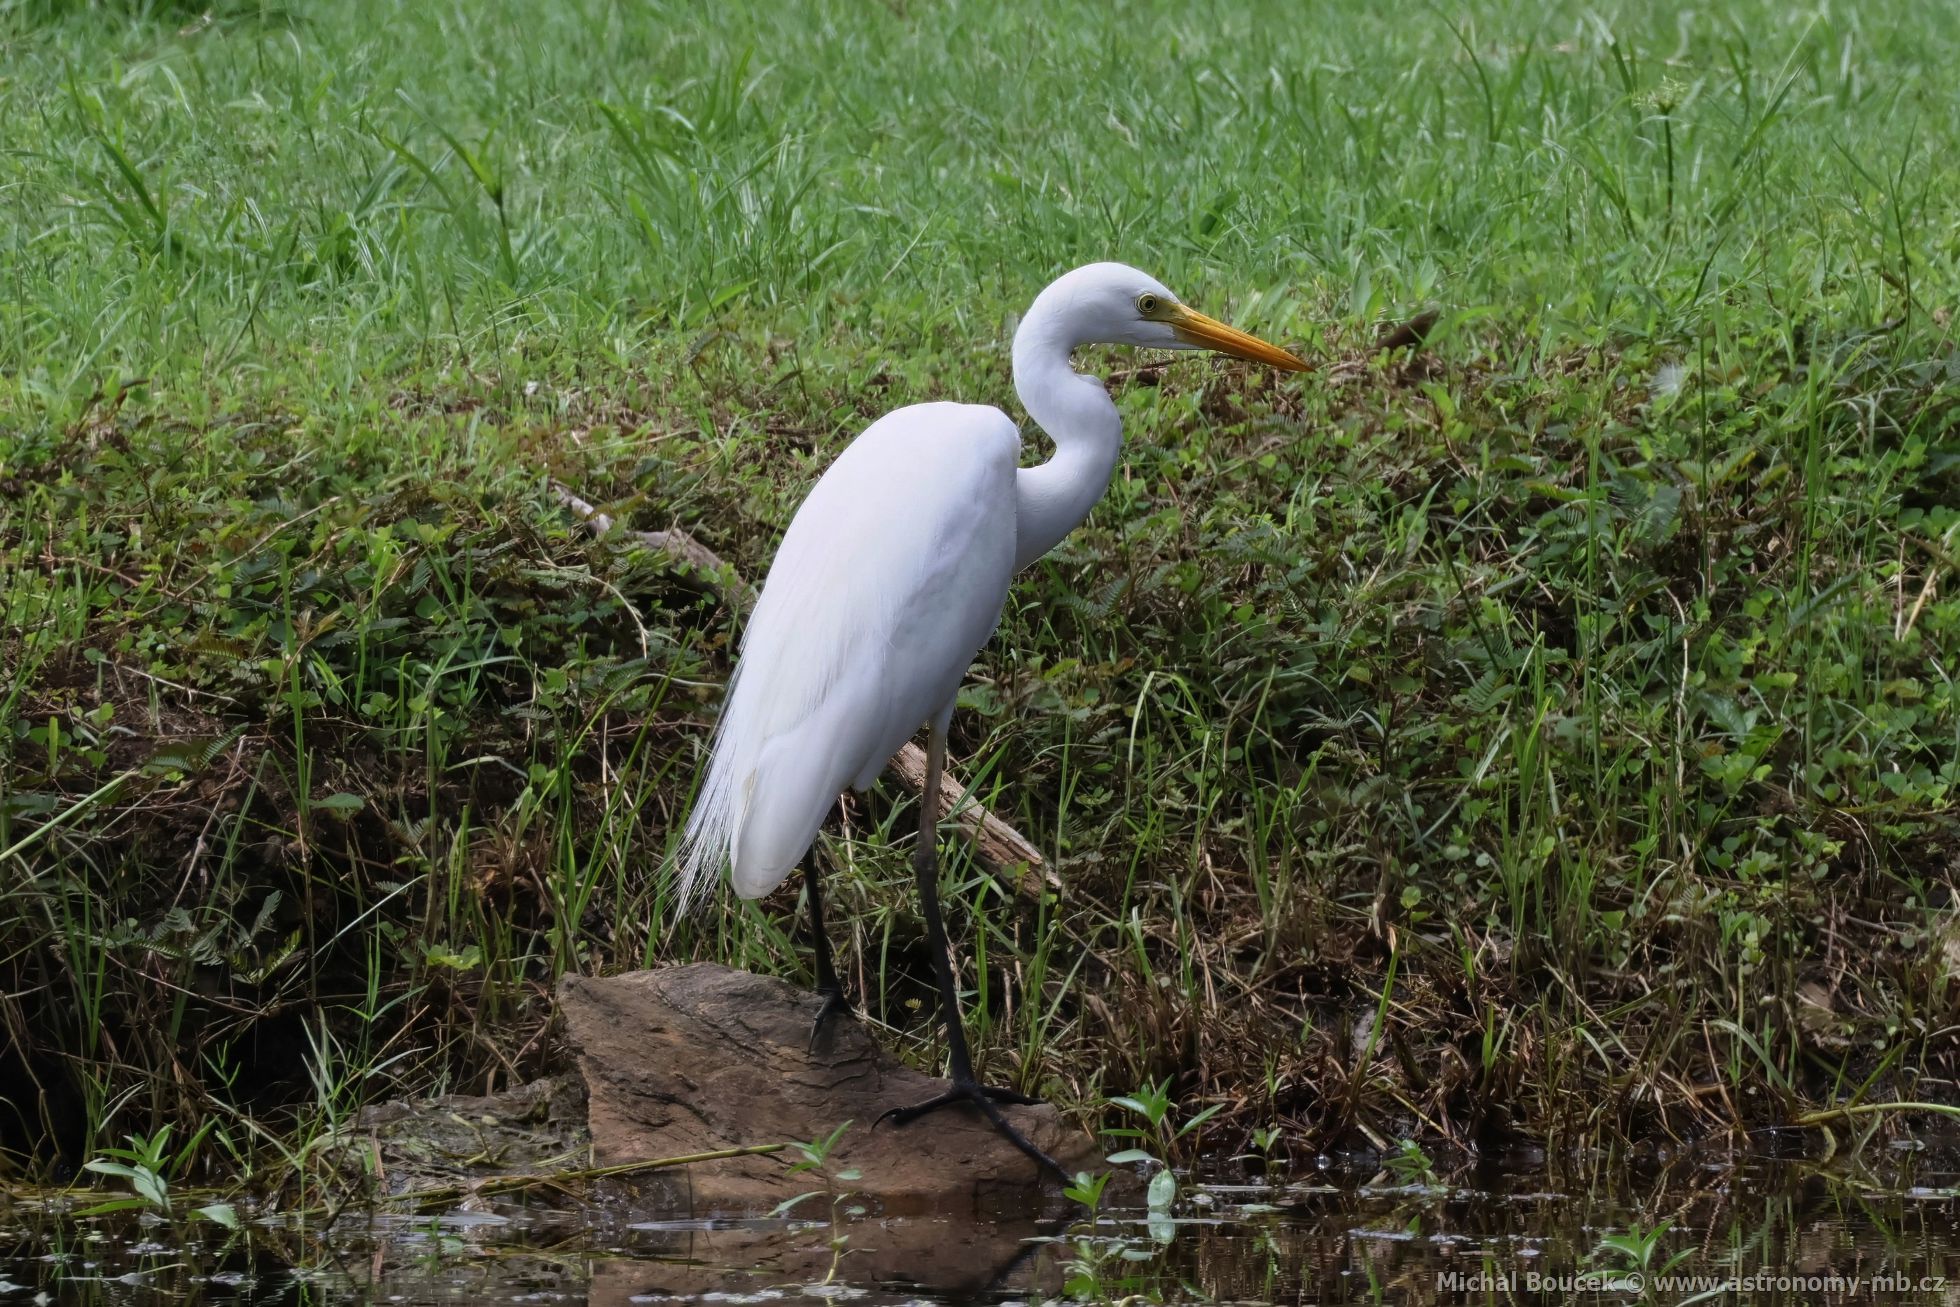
(1078, 415)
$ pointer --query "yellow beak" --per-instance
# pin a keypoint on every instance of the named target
(1194, 327)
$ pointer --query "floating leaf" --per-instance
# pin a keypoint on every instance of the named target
(222, 1213)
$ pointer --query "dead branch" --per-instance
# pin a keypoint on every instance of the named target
(487, 1186)
(697, 563)
(1000, 848)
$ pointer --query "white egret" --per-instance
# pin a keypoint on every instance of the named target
(892, 575)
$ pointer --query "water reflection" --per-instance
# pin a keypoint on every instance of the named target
(1789, 1233)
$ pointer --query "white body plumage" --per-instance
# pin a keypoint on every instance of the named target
(893, 574)
(890, 578)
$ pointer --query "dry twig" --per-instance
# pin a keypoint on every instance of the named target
(504, 1184)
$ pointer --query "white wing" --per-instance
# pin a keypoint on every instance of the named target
(890, 578)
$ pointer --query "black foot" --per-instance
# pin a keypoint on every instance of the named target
(834, 1005)
(986, 1098)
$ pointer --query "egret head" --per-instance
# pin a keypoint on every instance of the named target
(1115, 304)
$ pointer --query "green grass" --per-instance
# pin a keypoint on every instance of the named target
(1549, 730)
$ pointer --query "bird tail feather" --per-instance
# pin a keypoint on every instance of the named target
(715, 824)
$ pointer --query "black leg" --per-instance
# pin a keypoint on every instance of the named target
(832, 993)
(967, 1089)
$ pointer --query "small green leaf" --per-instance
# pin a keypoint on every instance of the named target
(152, 1186)
(222, 1213)
(112, 1205)
(469, 958)
(789, 1204)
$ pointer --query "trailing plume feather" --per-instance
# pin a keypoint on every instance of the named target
(888, 580)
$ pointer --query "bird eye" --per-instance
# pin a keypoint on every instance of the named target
(1146, 304)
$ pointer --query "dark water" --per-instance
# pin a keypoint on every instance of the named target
(1777, 1232)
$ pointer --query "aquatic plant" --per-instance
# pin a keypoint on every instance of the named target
(813, 1157)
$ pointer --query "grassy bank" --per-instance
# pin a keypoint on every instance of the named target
(1547, 731)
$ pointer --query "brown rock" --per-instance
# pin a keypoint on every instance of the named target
(693, 1059)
